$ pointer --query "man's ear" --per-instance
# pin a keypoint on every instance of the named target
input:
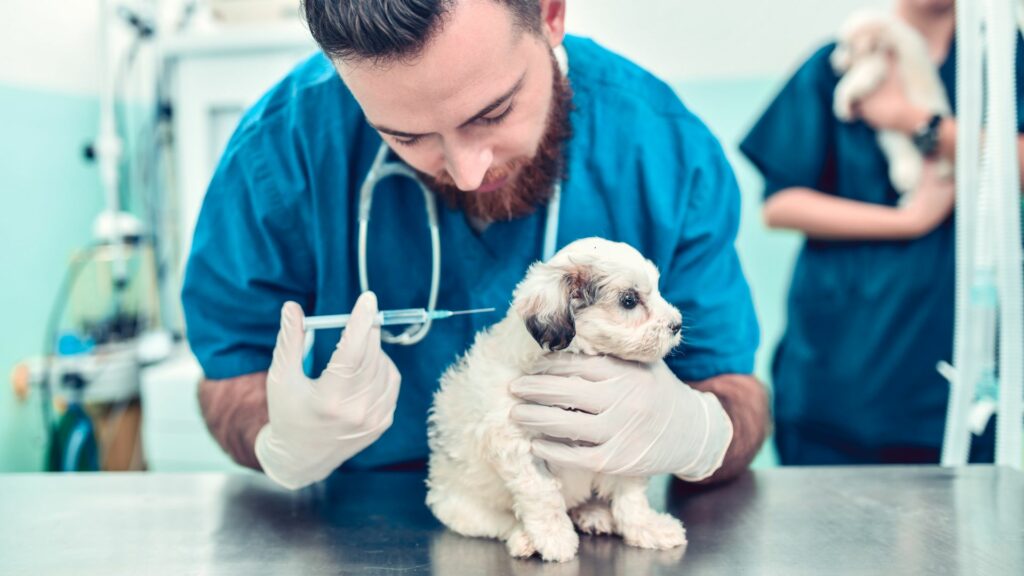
(552, 20)
(547, 300)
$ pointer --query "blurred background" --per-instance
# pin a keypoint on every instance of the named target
(104, 325)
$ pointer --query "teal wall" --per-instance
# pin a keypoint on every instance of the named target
(48, 199)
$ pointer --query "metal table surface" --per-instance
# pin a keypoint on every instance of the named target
(867, 520)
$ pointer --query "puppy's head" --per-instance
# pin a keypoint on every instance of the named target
(866, 33)
(598, 297)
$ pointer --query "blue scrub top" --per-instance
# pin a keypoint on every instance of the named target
(867, 320)
(279, 223)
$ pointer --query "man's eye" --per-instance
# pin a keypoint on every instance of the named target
(407, 141)
(491, 120)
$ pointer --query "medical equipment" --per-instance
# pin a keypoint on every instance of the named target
(92, 350)
(989, 314)
(389, 317)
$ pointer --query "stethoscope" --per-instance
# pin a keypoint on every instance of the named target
(381, 169)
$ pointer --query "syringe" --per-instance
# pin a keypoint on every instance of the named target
(389, 317)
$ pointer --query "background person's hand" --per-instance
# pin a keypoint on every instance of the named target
(624, 418)
(932, 201)
(316, 425)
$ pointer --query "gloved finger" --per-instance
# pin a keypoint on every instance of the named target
(289, 349)
(563, 392)
(592, 368)
(392, 384)
(566, 455)
(378, 391)
(360, 340)
(558, 423)
(354, 389)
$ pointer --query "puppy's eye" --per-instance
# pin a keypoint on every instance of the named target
(628, 300)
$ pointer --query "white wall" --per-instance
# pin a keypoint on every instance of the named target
(49, 44)
(52, 44)
(691, 39)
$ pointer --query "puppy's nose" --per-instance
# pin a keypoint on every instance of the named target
(675, 327)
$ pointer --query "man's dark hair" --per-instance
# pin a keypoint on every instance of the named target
(388, 30)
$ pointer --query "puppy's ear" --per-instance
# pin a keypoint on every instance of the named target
(548, 299)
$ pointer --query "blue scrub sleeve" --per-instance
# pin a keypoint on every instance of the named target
(705, 278)
(789, 144)
(249, 255)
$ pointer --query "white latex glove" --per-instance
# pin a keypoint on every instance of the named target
(316, 425)
(621, 418)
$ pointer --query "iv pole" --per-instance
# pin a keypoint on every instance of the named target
(989, 325)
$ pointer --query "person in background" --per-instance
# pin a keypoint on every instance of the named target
(870, 308)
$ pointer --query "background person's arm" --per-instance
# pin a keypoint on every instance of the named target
(826, 216)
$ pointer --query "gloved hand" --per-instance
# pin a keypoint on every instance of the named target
(621, 418)
(315, 425)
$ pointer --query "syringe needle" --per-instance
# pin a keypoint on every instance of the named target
(474, 311)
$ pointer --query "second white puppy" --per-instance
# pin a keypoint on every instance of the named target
(593, 297)
(868, 41)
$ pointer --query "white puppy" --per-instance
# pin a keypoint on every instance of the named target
(867, 42)
(593, 297)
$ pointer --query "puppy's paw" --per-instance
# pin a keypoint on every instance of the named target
(593, 518)
(554, 538)
(657, 532)
(905, 174)
(842, 107)
(518, 543)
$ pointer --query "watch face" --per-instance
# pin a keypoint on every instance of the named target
(926, 140)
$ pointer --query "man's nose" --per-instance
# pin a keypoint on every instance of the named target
(467, 165)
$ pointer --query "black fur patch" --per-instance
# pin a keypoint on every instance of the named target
(558, 332)
(555, 335)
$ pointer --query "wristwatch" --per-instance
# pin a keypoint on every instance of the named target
(926, 138)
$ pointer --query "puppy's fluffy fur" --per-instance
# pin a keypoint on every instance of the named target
(483, 480)
(866, 42)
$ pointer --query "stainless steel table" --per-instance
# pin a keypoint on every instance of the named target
(897, 520)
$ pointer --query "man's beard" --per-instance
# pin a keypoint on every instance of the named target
(535, 181)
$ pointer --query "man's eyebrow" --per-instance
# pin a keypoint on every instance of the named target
(483, 112)
(497, 102)
(392, 131)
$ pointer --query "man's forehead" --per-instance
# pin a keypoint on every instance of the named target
(477, 54)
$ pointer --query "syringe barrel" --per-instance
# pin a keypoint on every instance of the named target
(404, 316)
(324, 322)
(384, 318)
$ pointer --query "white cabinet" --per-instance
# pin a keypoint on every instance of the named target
(213, 77)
